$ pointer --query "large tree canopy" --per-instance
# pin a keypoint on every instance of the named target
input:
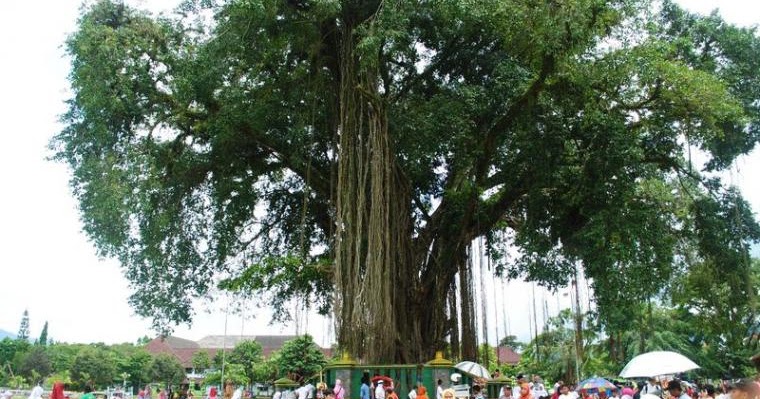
(347, 152)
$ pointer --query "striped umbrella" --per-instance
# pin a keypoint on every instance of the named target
(596, 384)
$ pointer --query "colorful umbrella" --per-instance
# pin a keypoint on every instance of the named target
(596, 383)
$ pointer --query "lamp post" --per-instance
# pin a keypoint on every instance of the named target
(224, 341)
(578, 328)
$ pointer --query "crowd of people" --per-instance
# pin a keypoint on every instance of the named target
(649, 389)
(534, 388)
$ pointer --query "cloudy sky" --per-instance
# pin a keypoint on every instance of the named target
(47, 264)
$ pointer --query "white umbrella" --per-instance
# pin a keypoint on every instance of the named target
(652, 364)
(473, 369)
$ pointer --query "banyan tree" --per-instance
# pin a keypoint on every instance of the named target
(346, 153)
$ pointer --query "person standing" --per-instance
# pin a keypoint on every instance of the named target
(57, 392)
(302, 392)
(745, 389)
(229, 389)
(36, 392)
(364, 390)
(564, 392)
(439, 390)
(87, 392)
(707, 392)
(517, 389)
(380, 390)
(676, 391)
(525, 391)
(538, 390)
(651, 387)
(338, 390)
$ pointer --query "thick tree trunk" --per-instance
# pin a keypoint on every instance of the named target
(376, 286)
(391, 301)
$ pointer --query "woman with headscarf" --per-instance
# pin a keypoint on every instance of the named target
(339, 391)
(525, 391)
(421, 392)
(57, 392)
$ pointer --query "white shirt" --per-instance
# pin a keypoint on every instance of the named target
(302, 392)
(413, 394)
(277, 395)
(439, 392)
(566, 396)
(379, 392)
(538, 390)
(649, 388)
(36, 393)
(310, 389)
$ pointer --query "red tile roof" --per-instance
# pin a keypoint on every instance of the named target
(507, 355)
(180, 348)
(184, 349)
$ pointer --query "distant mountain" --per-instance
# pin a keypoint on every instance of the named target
(4, 334)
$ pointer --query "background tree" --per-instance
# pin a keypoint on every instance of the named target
(23, 329)
(93, 365)
(300, 357)
(512, 342)
(166, 369)
(62, 355)
(267, 371)
(219, 358)
(552, 353)
(60, 376)
(233, 372)
(36, 364)
(201, 361)
(43, 339)
(247, 353)
(384, 137)
(135, 362)
(487, 357)
(10, 350)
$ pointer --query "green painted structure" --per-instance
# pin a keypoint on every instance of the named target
(405, 377)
